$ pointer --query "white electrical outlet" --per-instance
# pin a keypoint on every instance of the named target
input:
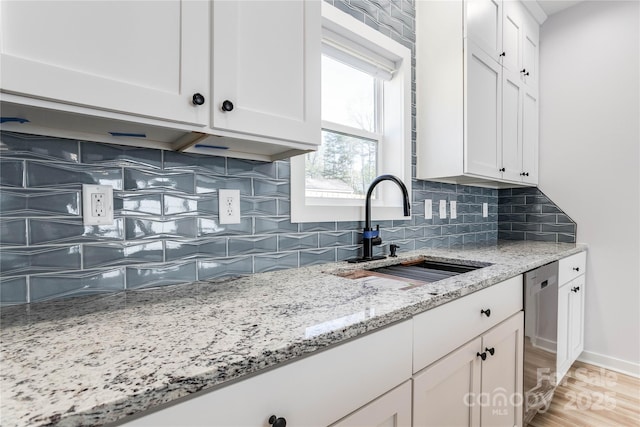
(428, 209)
(485, 210)
(97, 204)
(229, 206)
(453, 209)
(443, 209)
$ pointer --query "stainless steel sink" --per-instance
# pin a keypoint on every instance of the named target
(417, 272)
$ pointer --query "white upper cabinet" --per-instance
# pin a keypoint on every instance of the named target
(145, 58)
(266, 68)
(229, 78)
(484, 25)
(482, 100)
(477, 97)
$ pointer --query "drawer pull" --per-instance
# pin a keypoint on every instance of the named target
(277, 422)
(491, 350)
(486, 312)
(482, 355)
(576, 268)
(576, 289)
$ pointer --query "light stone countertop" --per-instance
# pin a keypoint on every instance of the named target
(95, 360)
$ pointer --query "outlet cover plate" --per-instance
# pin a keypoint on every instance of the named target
(97, 204)
(229, 206)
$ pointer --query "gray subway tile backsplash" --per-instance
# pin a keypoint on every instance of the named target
(166, 227)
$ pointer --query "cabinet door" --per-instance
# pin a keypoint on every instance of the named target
(109, 55)
(502, 374)
(512, 33)
(266, 62)
(563, 356)
(483, 99)
(390, 410)
(530, 50)
(512, 115)
(576, 317)
(530, 136)
(484, 25)
(447, 393)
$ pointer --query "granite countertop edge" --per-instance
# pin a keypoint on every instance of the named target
(181, 387)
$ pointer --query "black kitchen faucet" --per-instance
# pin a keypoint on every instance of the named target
(371, 238)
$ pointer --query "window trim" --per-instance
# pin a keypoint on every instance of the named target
(397, 126)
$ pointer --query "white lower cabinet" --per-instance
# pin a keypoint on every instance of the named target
(570, 324)
(480, 383)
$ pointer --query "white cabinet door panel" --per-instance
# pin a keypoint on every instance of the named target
(110, 55)
(512, 36)
(530, 137)
(502, 374)
(511, 126)
(483, 96)
(484, 25)
(445, 393)
(266, 61)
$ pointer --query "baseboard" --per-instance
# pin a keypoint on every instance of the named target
(611, 363)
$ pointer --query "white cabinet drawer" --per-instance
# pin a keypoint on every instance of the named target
(315, 391)
(441, 330)
(571, 267)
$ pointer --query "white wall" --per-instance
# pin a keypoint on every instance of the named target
(589, 161)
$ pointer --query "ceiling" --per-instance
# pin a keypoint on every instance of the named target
(554, 6)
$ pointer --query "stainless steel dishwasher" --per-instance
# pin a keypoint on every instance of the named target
(540, 338)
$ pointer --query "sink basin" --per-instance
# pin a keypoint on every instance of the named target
(416, 273)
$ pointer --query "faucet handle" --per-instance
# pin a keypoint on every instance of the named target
(376, 240)
(392, 248)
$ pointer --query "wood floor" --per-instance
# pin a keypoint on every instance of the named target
(593, 397)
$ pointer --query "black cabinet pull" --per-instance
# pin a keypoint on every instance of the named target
(491, 350)
(482, 355)
(576, 268)
(227, 105)
(526, 174)
(503, 54)
(576, 289)
(486, 312)
(198, 99)
(277, 422)
(501, 170)
(525, 72)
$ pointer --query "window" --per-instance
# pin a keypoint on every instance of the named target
(366, 126)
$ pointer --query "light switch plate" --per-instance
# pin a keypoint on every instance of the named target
(443, 209)
(428, 209)
(229, 206)
(485, 210)
(97, 204)
(453, 209)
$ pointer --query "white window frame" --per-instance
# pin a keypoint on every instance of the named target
(394, 152)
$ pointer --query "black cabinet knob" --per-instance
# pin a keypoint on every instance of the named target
(227, 105)
(486, 312)
(576, 268)
(277, 422)
(503, 54)
(491, 350)
(576, 289)
(526, 174)
(482, 355)
(198, 99)
(501, 170)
